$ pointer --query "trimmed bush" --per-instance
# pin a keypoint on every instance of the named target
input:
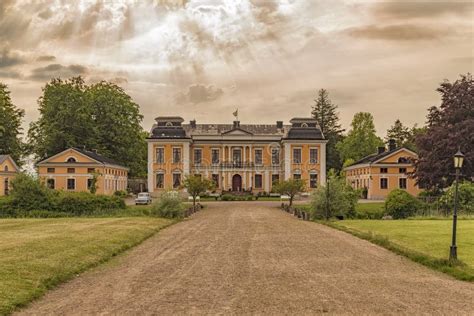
(465, 198)
(84, 203)
(168, 206)
(400, 204)
(29, 193)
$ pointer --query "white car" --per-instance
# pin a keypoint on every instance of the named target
(143, 198)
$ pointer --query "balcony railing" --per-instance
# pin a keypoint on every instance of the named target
(237, 164)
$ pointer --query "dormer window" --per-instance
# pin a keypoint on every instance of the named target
(71, 160)
(6, 168)
(168, 124)
(402, 160)
(304, 125)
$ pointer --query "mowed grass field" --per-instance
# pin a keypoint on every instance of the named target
(36, 254)
(431, 238)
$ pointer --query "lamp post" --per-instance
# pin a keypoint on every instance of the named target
(458, 161)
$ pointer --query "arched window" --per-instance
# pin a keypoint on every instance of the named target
(71, 160)
(6, 168)
(304, 125)
(169, 124)
(402, 160)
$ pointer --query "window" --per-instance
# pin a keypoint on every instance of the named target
(258, 181)
(297, 155)
(176, 155)
(6, 168)
(313, 180)
(51, 170)
(215, 179)
(402, 183)
(71, 170)
(383, 170)
(160, 155)
(275, 156)
(313, 155)
(402, 160)
(237, 155)
(297, 176)
(384, 183)
(275, 178)
(176, 180)
(258, 156)
(71, 184)
(160, 180)
(71, 160)
(197, 156)
(402, 170)
(50, 183)
(215, 156)
(90, 170)
(6, 186)
(89, 184)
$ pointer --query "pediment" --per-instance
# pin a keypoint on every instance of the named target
(237, 132)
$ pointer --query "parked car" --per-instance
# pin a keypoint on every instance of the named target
(143, 198)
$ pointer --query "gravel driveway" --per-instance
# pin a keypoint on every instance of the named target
(251, 258)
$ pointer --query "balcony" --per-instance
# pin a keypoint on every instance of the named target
(236, 164)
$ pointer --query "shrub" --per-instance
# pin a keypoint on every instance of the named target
(29, 193)
(6, 207)
(400, 204)
(84, 203)
(228, 197)
(168, 206)
(121, 194)
(465, 198)
(335, 199)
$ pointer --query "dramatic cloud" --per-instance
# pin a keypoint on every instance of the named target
(8, 58)
(57, 70)
(403, 32)
(199, 93)
(413, 9)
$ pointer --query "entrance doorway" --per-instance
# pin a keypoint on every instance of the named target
(236, 182)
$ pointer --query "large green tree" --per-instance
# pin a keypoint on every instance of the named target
(325, 112)
(10, 126)
(448, 127)
(403, 135)
(361, 139)
(99, 116)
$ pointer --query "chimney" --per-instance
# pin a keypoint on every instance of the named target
(280, 124)
(392, 145)
(236, 124)
(380, 149)
(193, 123)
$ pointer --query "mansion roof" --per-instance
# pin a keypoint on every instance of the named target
(171, 128)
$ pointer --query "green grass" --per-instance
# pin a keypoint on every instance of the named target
(423, 241)
(370, 210)
(37, 254)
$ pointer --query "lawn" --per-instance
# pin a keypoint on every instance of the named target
(431, 238)
(37, 254)
(370, 210)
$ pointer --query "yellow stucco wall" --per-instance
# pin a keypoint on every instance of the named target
(110, 179)
(369, 176)
(7, 173)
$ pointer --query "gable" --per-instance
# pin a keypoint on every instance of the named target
(63, 156)
(401, 153)
(9, 164)
(237, 132)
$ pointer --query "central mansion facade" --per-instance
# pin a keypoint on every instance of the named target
(237, 157)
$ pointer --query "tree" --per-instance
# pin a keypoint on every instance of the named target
(10, 126)
(334, 198)
(290, 187)
(399, 133)
(448, 127)
(325, 112)
(94, 179)
(100, 117)
(197, 185)
(361, 139)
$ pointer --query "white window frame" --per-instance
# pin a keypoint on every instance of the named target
(255, 156)
(317, 155)
(180, 155)
(156, 180)
(195, 150)
(293, 155)
(218, 156)
(162, 156)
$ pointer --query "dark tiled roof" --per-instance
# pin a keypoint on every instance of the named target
(96, 156)
(218, 129)
(374, 157)
(168, 132)
(304, 133)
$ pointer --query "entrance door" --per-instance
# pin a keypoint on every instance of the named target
(236, 183)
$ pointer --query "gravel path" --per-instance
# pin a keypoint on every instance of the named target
(251, 258)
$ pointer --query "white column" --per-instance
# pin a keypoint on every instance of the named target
(287, 161)
(322, 176)
(151, 187)
(230, 153)
(244, 180)
(266, 181)
(186, 158)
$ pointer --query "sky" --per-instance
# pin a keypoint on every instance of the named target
(203, 59)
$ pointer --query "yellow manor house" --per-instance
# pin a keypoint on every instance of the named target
(384, 171)
(74, 168)
(8, 170)
(236, 157)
